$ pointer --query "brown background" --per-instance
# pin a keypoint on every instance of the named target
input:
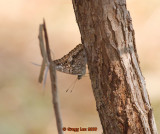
(25, 107)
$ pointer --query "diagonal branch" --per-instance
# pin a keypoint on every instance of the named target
(53, 83)
(48, 60)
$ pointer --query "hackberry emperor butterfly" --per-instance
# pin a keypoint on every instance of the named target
(74, 62)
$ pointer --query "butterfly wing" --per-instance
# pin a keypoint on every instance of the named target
(74, 62)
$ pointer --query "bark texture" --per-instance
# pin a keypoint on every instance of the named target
(119, 88)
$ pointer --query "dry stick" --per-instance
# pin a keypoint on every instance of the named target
(43, 53)
(42, 71)
(53, 83)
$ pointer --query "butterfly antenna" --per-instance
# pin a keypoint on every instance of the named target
(72, 84)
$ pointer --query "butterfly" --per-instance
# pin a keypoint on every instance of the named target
(73, 63)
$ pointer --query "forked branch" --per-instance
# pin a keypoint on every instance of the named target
(46, 55)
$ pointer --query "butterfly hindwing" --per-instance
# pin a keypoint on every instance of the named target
(74, 62)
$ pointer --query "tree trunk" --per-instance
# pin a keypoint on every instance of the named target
(119, 88)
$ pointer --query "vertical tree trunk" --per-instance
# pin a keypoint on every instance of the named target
(119, 88)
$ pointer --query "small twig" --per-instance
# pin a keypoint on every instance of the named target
(42, 71)
(43, 53)
(53, 83)
(45, 76)
(41, 43)
(36, 64)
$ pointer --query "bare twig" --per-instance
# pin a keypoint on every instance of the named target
(48, 60)
(53, 83)
(43, 53)
(42, 71)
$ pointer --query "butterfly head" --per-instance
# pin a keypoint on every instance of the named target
(79, 77)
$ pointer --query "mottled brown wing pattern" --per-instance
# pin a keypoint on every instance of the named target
(74, 62)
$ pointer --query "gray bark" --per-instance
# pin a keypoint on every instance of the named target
(119, 88)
